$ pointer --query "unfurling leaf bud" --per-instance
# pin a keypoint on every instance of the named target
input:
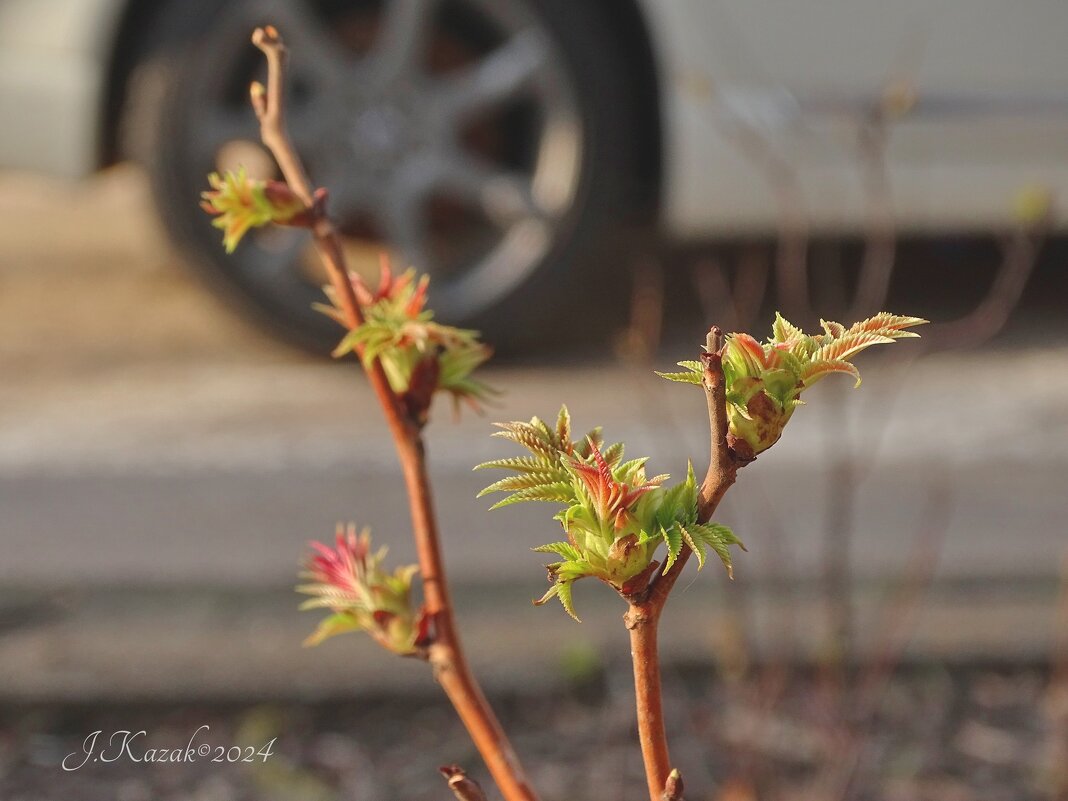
(614, 517)
(348, 580)
(240, 203)
(765, 380)
(419, 356)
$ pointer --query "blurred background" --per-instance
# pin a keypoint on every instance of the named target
(592, 185)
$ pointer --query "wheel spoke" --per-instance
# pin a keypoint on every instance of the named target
(499, 76)
(403, 215)
(402, 38)
(306, 131)
(348, 198)
(277, 253)
(504, 197)
(219, 127)
(227, 124)
(522, 244)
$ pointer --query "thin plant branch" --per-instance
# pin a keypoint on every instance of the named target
(837, 561)
(1059, 650)
(739, 301)
(643, 614)
(791, 254)
(714, 292)
(1021, 250)
(897, 621)
(1057, 691)
(641, 338)
(880, 245)
(268, 103)
(444, 652)
(1020, 255)
(750, 285)
(775, 672)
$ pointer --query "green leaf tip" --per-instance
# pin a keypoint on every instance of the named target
(560, 590)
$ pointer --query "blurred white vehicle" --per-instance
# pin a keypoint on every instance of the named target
(503, 145)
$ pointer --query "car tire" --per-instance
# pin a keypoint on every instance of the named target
(577, 272)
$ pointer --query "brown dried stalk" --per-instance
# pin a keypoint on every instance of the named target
(445, 652)
(643, 615)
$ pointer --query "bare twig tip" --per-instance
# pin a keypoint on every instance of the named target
(673, 787)
(463, 788)
(258, 95)
(267, 38)
(714, 340)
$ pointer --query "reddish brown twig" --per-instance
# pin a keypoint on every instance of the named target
(463, 788)
(643, 613)
(268, 104)
(444, 653)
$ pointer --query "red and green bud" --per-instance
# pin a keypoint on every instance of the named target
(348, 579)
(240, 203)
(611, 500)
(765, 380)
(419, 356)
(614, 518)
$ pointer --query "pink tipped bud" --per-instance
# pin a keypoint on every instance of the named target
(348, 579)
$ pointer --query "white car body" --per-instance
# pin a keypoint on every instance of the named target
(765, 103)
(763, 107)
(54, 56)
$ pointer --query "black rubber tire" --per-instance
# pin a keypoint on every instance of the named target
(580, 274)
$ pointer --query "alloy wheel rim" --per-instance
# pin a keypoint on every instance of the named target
(385, 131)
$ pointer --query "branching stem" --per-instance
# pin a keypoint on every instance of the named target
(727, 456)
(444, 653)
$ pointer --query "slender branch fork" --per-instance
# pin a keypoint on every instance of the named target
(644, 609)
(445, 652)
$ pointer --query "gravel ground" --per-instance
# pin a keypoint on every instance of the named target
(939, 732)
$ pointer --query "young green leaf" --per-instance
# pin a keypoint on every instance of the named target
(673, 539)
